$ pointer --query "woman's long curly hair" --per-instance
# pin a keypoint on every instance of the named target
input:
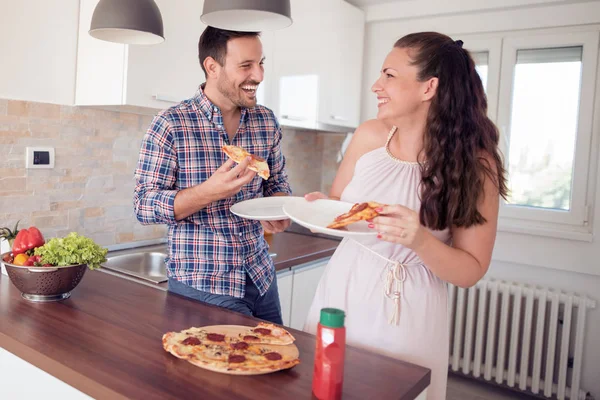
(459, 137)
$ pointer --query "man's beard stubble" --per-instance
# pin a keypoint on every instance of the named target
(234, 94)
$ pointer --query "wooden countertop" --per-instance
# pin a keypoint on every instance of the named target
(294, 249)
(106, 341)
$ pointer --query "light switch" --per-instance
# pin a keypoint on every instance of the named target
(39, 157)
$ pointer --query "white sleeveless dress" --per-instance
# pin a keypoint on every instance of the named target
(394, 305)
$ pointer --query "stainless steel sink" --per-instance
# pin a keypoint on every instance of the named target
(149, 266)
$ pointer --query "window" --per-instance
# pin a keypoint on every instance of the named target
(545, 117)
(481, 66)
(486, 55)
(543, 127)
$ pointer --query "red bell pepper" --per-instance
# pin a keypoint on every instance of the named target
(27, 239)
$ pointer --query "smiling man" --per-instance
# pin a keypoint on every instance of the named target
(185, 180)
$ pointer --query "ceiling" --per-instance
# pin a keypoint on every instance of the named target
(365, 3)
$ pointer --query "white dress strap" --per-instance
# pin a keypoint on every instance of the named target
(394, 279)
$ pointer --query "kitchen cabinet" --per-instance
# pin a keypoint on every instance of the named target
(264, 94)
(306, 279)
(318, 65)
(18, 376)
(154, 76)
(285, 281)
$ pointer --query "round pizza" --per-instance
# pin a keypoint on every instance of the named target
(233, 349)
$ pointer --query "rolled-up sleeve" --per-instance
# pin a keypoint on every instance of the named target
(278, 181)
(155, 175)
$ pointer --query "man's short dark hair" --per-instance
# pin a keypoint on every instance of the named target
(213, 43)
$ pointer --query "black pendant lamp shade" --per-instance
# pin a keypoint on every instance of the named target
(247, 15)
(128, 22)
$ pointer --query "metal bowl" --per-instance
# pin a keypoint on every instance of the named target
(42, 284)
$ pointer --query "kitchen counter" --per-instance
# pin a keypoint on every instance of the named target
(106, 342)
(294, 249)
(291, 249)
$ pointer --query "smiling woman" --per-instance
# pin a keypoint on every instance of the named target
(432, 155)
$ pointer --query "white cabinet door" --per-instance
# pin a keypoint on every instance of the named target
(264, 94)
(154, 76)
(21, 380)
(296, 64)
(284, 285)
(345, 74)
(171, 70)
(319, 64)
(306, 280)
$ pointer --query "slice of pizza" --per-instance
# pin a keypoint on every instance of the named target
(358, 212)
(267, 334)
(257, 163)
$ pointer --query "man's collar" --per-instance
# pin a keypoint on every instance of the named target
(212, 111)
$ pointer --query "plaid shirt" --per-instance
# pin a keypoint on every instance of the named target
(212, 249)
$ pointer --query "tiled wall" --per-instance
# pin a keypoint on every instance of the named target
(91, 187)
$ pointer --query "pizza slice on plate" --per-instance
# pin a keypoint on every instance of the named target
(257, 163)
(358, 212)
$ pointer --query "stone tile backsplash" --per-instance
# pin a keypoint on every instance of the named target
(90, 189)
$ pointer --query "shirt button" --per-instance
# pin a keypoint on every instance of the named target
(240, 234)
(215, 109)
(220, 126)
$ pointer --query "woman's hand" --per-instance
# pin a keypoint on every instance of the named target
(399, 224)
(312, 196)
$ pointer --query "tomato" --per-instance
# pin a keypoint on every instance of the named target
(20, 259)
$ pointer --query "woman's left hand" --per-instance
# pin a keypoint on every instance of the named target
(399, 224)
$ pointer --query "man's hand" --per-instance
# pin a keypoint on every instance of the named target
(312, 196)
(227, 181)
(276, 226)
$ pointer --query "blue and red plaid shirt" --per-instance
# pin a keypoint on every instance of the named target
(212, 250)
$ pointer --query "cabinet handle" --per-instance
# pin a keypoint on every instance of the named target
(292, 118)
(338, 118)
(165, 98)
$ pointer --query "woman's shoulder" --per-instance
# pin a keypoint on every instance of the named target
(372, 133)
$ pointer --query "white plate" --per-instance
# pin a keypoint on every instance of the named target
(316, 215)
(262, 208)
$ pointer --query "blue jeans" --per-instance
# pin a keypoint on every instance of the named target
(265, 307)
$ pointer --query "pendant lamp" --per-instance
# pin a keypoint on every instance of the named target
(128, 22)
(247, 15)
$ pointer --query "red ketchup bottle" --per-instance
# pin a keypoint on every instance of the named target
(328, 374)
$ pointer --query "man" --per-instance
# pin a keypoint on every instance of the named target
(184, 179)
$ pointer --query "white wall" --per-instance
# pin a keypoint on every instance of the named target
(38, 49)
(558, 263)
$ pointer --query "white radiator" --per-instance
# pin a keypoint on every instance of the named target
(526, 338)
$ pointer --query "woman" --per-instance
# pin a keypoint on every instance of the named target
(432, 155)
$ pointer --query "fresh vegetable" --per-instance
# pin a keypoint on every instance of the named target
(34, 261)
(20, 259)
(73, 249)
(27, 239)
(8, 234)
(8, 258)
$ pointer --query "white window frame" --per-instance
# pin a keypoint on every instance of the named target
(523, 218)
(493, 46)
